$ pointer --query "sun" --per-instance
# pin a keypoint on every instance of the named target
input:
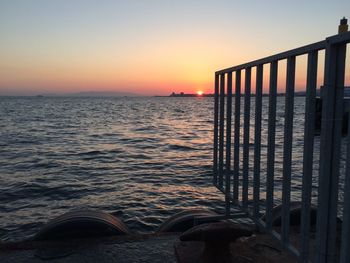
(199, 93)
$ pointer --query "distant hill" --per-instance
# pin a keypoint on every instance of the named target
(103, 94)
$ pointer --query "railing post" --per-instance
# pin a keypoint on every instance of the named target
(221, 131)
(310, 109)
(228, 143)
(345, 241)
(332, 110)
(246, 127)
(236, 135)
(216, 123)
(271, 144)
(257, 139)
(287, 149)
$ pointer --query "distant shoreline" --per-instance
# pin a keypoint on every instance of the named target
(110, 95)
(184, 95)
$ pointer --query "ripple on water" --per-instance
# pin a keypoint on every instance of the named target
(142, 159)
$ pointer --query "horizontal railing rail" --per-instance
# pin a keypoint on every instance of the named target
(237, 168)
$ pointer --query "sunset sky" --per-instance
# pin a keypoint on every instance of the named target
(151, 46)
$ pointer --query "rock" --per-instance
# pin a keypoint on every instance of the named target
(217, 238)
(294, 216)
(221, 232)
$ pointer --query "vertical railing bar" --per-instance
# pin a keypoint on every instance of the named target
(237, 134)
(221, 130)
(271, 144)
(228, 143)
(246, 128)
(216, 123)
(287, 148)
(257, 140)
(345, 239)
(337, 138)
(311, 83)
(325, 154)
(332, 107)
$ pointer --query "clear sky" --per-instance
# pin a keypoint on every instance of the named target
(149, 46)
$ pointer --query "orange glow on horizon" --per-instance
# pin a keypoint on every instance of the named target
(199, 93)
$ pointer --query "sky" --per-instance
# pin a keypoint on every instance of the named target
(148, 47)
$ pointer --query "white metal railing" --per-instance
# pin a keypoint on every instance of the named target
(232, 177)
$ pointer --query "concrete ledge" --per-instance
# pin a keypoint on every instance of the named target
(141, 248)
(161, 248)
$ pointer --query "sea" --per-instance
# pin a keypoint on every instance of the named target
(143, 159)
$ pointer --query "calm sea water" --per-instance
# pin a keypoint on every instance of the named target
(142, 159)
